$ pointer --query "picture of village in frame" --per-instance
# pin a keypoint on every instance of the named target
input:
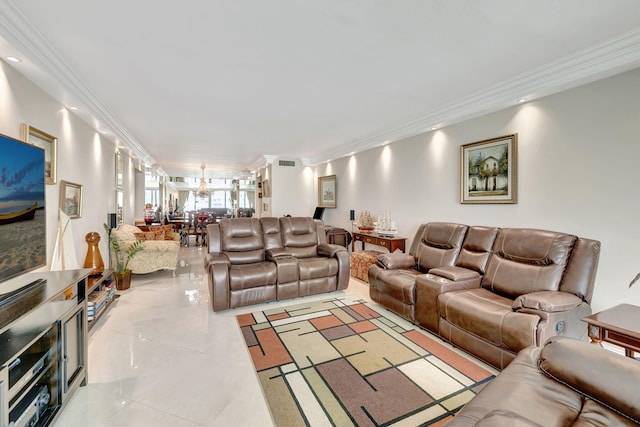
(488, 171)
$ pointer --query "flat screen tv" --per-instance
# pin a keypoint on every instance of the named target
(23, 236)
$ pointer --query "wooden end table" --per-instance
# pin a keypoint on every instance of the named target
(619, 325)
(391, 243)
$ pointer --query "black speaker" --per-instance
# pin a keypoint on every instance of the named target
(352, 215)
(111, 220)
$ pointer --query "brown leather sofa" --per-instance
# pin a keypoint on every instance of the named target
(256, 260)
(491, 292)
(564, 383)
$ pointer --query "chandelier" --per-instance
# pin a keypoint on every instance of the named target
(203, 191)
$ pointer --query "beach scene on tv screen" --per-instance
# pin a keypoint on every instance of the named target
(22, 208)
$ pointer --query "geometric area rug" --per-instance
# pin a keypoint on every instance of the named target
(347, 362)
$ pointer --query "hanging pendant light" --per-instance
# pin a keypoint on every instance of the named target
(203, 191)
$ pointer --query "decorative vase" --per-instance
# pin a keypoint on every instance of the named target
(123, 279)
(93, 258)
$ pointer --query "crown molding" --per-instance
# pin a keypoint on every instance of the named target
(24, 36)
(614, 56)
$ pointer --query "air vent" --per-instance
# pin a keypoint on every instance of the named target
(286, 162)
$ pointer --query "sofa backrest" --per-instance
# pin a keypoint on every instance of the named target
(299, 236)
(271, 232)
(241, 240)
(580, 276)
(527, 260)
(437, 244)
(477, 247)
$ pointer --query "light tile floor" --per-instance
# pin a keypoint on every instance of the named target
(161, 357)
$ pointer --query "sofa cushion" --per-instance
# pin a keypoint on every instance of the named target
(241, 240)
(252, 275)
(476, 248)
(150, 235)
(396, 284)
(490, 317)
(527, 260)
(613, 384)
(439, 244)
(316, 267)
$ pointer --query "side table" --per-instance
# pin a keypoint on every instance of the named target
(619, 325)
(391, 243)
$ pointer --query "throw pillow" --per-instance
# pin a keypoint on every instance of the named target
(150, 235)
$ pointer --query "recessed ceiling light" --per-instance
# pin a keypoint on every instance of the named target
(521, 100)
(434, 127)
(13, 59)
(72, 108)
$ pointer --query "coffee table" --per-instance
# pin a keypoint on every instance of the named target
(619, 325)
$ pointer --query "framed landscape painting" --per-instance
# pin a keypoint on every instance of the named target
(489, 170)
(71, 199)
(327, 191)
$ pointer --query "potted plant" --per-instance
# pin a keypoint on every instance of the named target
(122, 255)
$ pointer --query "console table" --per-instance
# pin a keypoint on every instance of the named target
(619, 325)
(390, 243)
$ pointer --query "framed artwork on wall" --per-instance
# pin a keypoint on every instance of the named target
(49, 143)
(119, 171)
(119, 206)
(327, 191)
(488, 170)
(71, 199)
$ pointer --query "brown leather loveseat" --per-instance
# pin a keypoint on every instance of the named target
(490, 291)
(256, 260)
(564, 383)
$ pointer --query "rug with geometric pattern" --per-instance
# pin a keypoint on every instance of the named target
(347, 362)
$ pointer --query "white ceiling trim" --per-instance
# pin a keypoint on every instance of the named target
(615, 56)
(26, 37)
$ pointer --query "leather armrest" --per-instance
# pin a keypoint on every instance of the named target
(276, 253)
(455, 274)
(396, 260)
(216, 258)
(329, 250)
(547, 301)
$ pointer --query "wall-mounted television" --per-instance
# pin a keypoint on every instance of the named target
(23, 234)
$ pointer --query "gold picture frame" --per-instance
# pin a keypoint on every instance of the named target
(327, 195)
(49, 143)
(488, 170)
(71, 199)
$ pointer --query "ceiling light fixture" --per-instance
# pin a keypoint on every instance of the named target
(521, 100)
(13, 59)
(72, 108)
(203, 191)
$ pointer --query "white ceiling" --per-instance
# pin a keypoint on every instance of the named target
(226, 83)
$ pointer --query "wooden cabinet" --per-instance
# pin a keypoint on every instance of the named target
(43, 345)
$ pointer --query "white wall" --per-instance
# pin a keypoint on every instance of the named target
(85, 157)
(578, 157)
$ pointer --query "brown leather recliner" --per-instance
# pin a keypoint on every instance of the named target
(392, 279)
(256, 260)
(238, 272)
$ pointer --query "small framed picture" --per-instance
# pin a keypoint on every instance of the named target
(71, 199)
(327, 191)
(488, 170)
(49, 143)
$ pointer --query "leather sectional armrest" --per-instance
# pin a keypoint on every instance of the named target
(455, 274)
(395, 261)
(329, 250)
(276, 253)
(547, 301)
(216, 258)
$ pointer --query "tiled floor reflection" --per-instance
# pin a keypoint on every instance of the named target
(161, 357)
